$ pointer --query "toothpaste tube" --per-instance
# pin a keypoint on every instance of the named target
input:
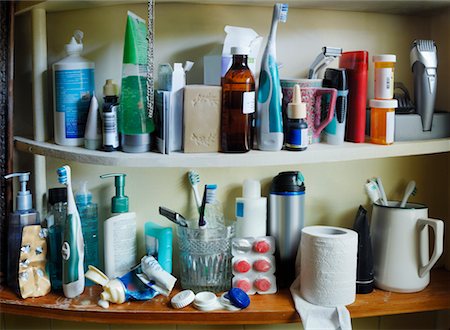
(121, 289)
(155, 276)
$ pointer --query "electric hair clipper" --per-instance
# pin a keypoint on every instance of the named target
(423, 58)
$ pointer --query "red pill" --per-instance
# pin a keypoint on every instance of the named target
(262, 265)
(244, 285)
(242, 266)
(263, 284)
(261, 246)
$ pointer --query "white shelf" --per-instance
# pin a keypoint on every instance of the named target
(399, 7)
(317, 153)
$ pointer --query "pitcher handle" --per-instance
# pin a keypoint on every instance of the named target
(331, 107)
(438, 227)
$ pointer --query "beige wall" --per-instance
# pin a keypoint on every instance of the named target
(187, 32)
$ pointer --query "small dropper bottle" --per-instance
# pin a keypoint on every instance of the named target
(297, 128)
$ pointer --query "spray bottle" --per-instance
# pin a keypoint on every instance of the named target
(27, 247)
(73, 88)
(120, 249)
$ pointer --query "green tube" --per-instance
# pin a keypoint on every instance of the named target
(134, 123)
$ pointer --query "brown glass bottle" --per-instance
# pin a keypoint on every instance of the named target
(238, 104)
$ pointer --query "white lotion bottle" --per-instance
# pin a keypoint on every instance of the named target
(120, 245)
(251, 211)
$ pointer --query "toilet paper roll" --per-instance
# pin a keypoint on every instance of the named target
(328, 265)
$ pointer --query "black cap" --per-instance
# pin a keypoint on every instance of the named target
(57, 195)
(291, 181)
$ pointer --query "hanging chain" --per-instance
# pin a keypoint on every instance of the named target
(150, 59)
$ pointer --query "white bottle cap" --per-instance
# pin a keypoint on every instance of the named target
(207, 301)
(240, 50)
(383, 104)
(251, 189)
(384, 58)
(296, 109)
(182, 299)
(75, 46)
(113, 292)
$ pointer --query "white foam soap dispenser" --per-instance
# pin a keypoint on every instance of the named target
(251, 211)
(120, 246)
(27, 246)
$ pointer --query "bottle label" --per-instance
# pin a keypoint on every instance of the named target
(297, 138)
(110, 134)
(384, 83)
(248, 102)
(73, 92)
(390, 126)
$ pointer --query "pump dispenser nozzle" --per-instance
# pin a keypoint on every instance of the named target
(119, 203)
(23, 198)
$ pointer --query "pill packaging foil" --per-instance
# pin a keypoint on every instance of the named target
(253, 264)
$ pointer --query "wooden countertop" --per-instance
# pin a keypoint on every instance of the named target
(264, 309)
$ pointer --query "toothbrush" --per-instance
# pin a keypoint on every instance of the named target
(383, 194)
(373, 191)
(173, 216)
(209, 196)
(269, 123)
(72, 249)
(410, 190)
(194, 180)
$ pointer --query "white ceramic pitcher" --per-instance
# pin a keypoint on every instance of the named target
(401, 246)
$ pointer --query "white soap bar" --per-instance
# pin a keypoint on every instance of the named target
(202, 106)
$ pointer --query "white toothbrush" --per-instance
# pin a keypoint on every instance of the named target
(383, 194)
(194, 180)
(410, 190)
(373, 192)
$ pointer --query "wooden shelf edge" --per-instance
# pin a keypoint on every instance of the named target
(264, 309)
(316, 153)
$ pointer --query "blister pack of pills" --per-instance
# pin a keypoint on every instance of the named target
(253, 264)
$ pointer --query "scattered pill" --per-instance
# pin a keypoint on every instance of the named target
(103, 303)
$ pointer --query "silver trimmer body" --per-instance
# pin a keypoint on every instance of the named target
(424, 62)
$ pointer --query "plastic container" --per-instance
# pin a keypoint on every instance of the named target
(238, 104)
(54, 222)
(382, 121)
(26, 266)
(356, 65)
(384, 76)
(73, 88)
(134, 122)
(89, 226)
(158, 243)
(205, 258)
(119, 232)
(251, 211)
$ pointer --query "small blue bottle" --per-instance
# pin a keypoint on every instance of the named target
(158, 243)
(54, 222)
(89, 226)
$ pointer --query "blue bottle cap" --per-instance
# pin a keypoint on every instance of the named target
(238, 298)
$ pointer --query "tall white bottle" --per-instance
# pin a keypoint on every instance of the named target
(73, 88)
(120, 246)
(251, 211)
